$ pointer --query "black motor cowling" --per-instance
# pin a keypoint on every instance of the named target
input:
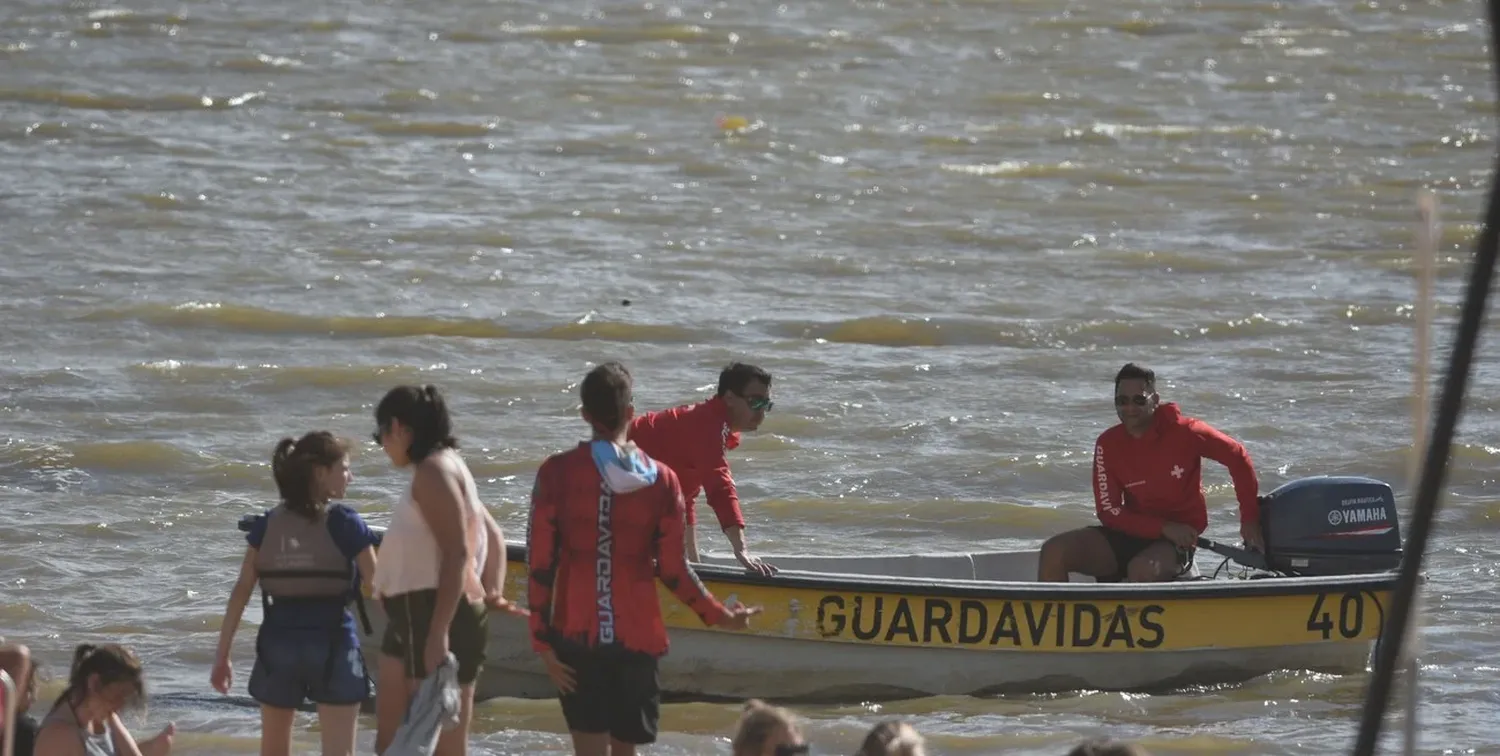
(1331, 525)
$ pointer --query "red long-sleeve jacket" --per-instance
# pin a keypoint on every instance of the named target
(692, 440)
(594, 556)
(1142, 483)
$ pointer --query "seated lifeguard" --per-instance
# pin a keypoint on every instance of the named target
(1148, 491)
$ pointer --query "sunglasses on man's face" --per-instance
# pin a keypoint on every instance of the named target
(757, 403)
(1138, 400)
(379, 435)
(793, 750)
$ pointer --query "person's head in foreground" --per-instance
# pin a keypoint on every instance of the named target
(1108, 747)
(766, 730)
(893, 738)
(104, 680)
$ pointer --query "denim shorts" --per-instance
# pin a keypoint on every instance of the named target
(291, 670)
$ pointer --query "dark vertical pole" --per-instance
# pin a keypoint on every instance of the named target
(1435, 468)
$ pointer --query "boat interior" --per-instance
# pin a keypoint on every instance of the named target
(1006, 566)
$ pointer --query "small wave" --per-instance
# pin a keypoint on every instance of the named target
(131, 456)
(283, 377)
(1140, 27)
(126, 14)
(244, 319)
(89, 101)
(50, 130)
(437, 129)
(884, 330)
(261, 62)
(259, 320)
(460, 237)
(1114, 132)
(1356, 315)
(166, 201)
(881, 331)
(1020, 168)
(1179, 262)
(617, 331)
(613, 35)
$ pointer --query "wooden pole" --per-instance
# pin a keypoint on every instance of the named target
(1429, 231)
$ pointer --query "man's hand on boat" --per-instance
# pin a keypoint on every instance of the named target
(736, 538)
(1183, 536)
(739, 616)
(562, 675)
(1254, 539)
(754, 564)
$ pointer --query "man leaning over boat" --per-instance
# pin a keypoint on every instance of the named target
(1148, 492)
(694, 440)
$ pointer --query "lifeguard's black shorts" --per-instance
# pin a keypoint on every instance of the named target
(617, 691)
(1128, 547)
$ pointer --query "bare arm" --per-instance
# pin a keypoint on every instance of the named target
(736, 538)
(59, 739)
(15, 659)
(124, 743)
(366, 562)
(439, 498)
(238, 598)
(493, 574)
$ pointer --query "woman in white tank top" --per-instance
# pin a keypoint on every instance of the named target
(442, 561)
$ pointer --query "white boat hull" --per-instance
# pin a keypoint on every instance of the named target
(812, 644)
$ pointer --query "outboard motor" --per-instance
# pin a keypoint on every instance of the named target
(1331, 525)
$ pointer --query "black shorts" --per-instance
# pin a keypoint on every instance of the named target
(408, 618)
(1128, 547)
(618, 692)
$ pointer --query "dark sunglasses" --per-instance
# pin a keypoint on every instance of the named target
(379, 434)
(1139, 400)
(757, 404)
(793, 750)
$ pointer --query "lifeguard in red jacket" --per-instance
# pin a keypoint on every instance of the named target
(606, 523)
(1148, 491)
(693, 440)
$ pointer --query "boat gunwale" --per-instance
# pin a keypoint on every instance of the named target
(1029, 590)
(1018, 589)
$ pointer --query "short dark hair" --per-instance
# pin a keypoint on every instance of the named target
(423, 410)
(1107, 747)
(1134, 371)
(606, 393)
(737, 375)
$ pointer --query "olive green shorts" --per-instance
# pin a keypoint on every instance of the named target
(408, 615)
